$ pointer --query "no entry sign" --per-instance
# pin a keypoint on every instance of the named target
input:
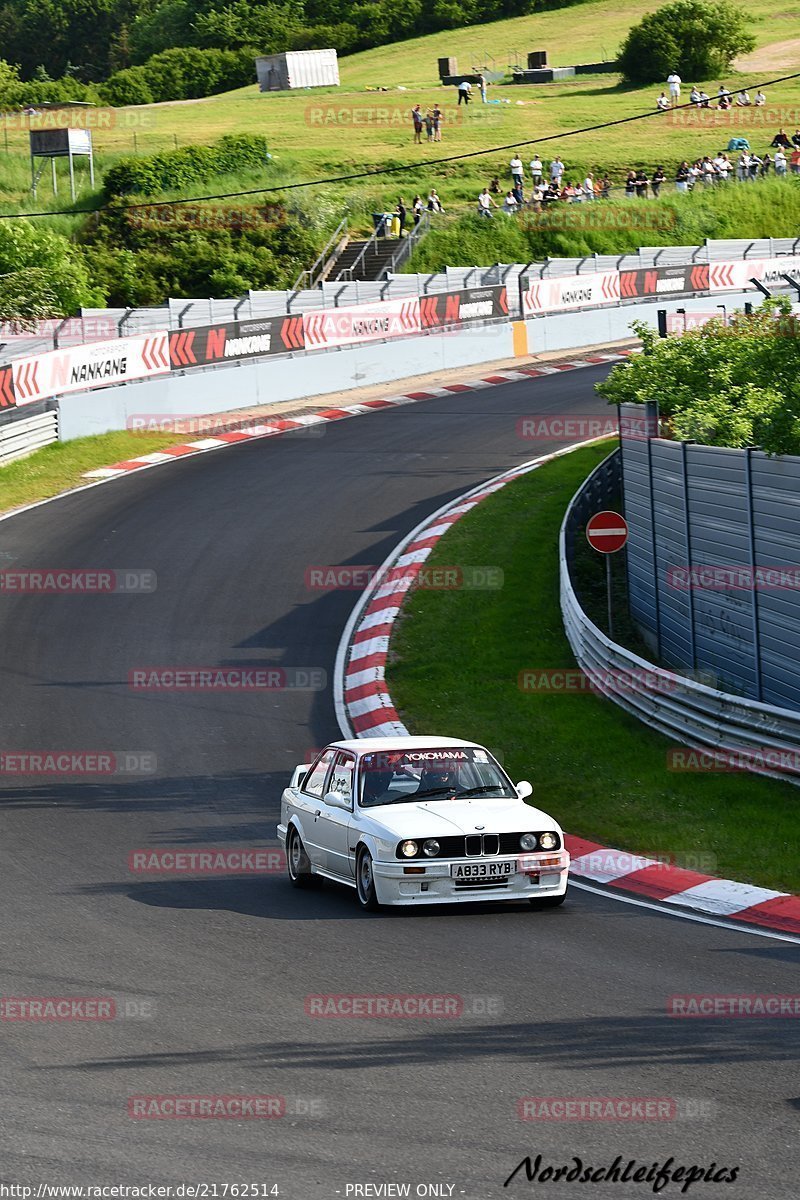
(607, 532)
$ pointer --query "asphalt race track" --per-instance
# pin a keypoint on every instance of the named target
(222, 964)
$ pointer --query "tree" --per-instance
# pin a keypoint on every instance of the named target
(42, 273)
(697, 38)
(722, 386)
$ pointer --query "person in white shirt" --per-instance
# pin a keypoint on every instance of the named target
(743, 166)
(517, 170)
(779, 161)
(588, 187)
(743, 99)
(662, 103)
(695, 172)
(510, 204)
(485, 203)
(464, 92)
(722, 166)
(761, 99)
(556, 170)
(674, 84)
(694, 95)
(536, 170)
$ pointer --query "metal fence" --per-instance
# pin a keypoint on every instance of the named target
(109, 323)
(723, 728)
(713, 567)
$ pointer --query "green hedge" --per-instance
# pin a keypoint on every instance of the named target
(175, 170)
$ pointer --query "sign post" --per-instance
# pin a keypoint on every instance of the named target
(607, 532)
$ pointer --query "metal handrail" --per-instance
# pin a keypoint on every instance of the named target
(320, 262)
(407, 244)
(348, 272)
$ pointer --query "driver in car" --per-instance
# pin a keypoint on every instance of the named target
(442, 777)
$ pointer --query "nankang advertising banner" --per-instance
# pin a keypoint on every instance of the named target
(571, 291)
(361, 323)
(96, 364)
(461, 307)
(663, 281)
(203, 344)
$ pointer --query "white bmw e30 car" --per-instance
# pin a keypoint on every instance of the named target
(420, 820)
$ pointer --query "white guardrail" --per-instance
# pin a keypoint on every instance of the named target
(731, 731)
(20, 438)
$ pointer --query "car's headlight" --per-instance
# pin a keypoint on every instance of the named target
(528, 841)
(548, 841)
(409, 849)
(430, 847)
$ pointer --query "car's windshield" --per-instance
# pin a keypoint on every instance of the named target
(392, 777)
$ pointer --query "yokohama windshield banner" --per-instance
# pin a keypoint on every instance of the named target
(203, 344)
(571, 291)
(361, 323)
(458, 308)
(663, 281)
(97, 364)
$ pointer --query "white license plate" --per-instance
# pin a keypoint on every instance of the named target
(482, 870)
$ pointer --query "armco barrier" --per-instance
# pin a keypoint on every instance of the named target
(686, 712)
(21, 437)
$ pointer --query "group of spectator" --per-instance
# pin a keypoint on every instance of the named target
(550, 184)
(430, 122)
(701, 99)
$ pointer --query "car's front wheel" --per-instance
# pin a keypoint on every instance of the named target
(547, 901)
(365, 882)
(298, 864)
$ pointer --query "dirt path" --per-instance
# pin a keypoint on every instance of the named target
(778, 56)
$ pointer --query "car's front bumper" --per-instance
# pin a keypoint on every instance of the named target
(536, 876)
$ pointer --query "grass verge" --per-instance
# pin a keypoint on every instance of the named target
(57, 468)
(457, 656)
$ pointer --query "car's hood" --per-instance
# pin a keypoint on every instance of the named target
(444, 818)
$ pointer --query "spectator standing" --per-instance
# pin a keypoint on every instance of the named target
(482, 86)
(709, 173)
(780, 161)
(485, 204)
(722, 166)
(517, 170)
(743, 167)
(401, 212)
(416, 117)
(630, 185)
(755, 163)
(417, 208)
(662, 103)
(605, 188)
(588, 187)
(794, 161)
(642, 183)
(438, 117)
(434, 203)
(695, 173)
(674, 85)
(657, 180)
(510, 204)
(536, 170)
(766, 163)
(429, 125)
(464, 92)
(682, 177)
(556, 171)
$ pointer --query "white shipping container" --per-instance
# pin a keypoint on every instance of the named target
(297, 69)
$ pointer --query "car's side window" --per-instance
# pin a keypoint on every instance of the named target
(341, 780)
(315, 780)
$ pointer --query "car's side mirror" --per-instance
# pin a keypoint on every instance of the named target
(524, 789)
(337, 800)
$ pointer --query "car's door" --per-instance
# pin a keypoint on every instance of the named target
(333, 822)
(311, 795)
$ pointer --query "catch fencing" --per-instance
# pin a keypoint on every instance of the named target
(726, 730)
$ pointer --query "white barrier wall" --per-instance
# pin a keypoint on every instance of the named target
(273, 380)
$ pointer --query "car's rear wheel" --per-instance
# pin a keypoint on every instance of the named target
(365, 882)
(298, 864)
(540, 902)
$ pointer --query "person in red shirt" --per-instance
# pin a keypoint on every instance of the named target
(794, 161)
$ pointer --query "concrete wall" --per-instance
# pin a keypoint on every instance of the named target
(271, 380)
